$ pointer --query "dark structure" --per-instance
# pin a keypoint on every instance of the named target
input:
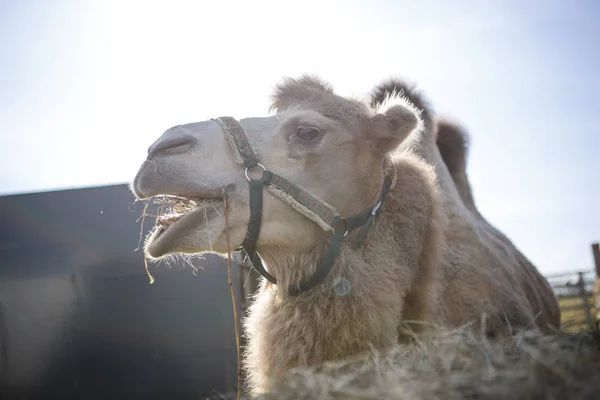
(79, 319)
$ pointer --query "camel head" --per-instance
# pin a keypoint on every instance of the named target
(332, 147)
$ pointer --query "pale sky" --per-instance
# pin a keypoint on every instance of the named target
(86, 87)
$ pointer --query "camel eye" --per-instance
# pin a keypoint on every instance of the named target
(307, 133)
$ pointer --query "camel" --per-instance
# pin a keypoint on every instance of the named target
(351, 215)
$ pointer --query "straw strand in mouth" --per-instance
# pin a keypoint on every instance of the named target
(236, 321)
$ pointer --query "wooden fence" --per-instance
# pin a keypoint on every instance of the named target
(577, 293)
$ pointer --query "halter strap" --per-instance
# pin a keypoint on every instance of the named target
(235, 132)
(315, 209)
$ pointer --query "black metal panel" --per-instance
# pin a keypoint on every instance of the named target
(79, 319)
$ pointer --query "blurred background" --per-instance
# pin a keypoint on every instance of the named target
(87, 86)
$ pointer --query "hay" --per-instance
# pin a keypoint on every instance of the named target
(459, 365)
(166, 205)
(150, 277)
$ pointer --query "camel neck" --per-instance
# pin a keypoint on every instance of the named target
(291, 269)
(312, 271)
(291, 266)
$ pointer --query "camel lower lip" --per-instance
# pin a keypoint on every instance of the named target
(171, 229)
(168, 220)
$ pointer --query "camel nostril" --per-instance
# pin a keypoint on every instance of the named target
(174, 145)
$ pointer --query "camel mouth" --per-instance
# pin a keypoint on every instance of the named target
(176, 217)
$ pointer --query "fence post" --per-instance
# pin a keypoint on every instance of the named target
(596, 253)
(586, 301)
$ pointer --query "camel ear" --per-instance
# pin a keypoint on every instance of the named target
(392, 123)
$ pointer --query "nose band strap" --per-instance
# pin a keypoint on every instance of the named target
(241, 146)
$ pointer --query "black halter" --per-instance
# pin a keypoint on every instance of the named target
(331, 220)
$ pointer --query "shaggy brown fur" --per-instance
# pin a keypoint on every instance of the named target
(452, 142)
(312, 93)
(423, 263)
(451, 139)
(389, 282)
(397, 87)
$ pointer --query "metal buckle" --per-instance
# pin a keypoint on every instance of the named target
(376, 208)
(257, 165)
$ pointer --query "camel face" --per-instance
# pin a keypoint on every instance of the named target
(310, 141)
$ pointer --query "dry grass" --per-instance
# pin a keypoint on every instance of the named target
(233, 302)
(163, 206)
(460, 365)
(574, 320)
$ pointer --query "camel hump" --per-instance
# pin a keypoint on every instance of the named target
(399, 87)
(453, 143)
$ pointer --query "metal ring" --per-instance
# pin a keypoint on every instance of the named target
(257, 165)
(376, 208)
